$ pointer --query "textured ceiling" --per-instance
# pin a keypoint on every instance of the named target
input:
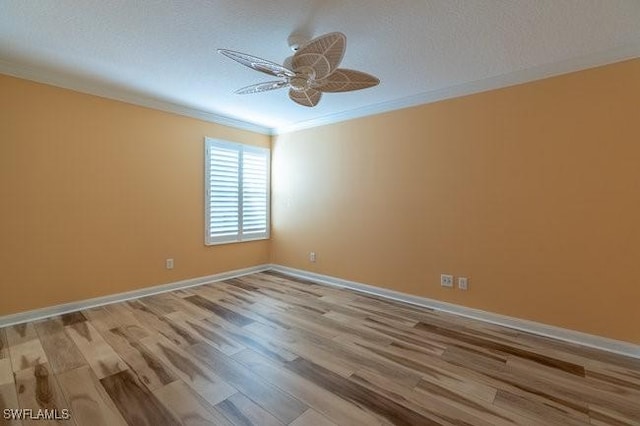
(163, 52)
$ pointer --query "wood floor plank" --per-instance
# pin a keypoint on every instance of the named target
(99, 354)
(242, 411)
(4, 346)
(8, 397)
(288, 283)
(160, 324)
(158, 303)
(334, 407)
(27, 354)
(361, 312)
(589, 357)
(61, 351)
(219, 310)
(438, 411)
(504, 348)
(178, 304)
(270, 313)
(20, 333)
(535, 410)
(497, 374)
(72, 318)
(358, 394)
(57, 323)
(603, 385)
(121, 330)
(248, 311)
(625, 378)
(279, 404)
(312, 418)
(393, 309)
(328, 326)
(357, 323)
(8, 401)
(261, 343)
(100, 317)
(208, 332)
(6, 371)
(137, 405)
(121, 315)
(294, 341)
(37, 389)
(145, 364)
(608, 416)
(48, 326)
(189, 369)
(425, 363)
(401, 334)
(210, 292)
(376, 362)
(182, 293)
(188, 407)
(493, 414)
(568, 386)
(89, 402)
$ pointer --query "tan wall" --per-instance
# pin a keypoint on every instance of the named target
(531, 191)
(95, 194)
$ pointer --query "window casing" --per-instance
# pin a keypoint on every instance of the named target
(237, 204)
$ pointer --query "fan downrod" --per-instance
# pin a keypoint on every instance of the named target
(296, 41)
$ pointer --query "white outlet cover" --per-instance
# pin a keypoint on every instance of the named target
(169, 263)
(446, 280)
(463, 283)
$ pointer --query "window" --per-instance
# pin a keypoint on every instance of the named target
(236, 192)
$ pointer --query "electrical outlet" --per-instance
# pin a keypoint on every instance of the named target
(169, 263)
(446, 280)
(463, 283)
(312, 256)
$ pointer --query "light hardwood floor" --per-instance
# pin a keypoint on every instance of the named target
(267, 349)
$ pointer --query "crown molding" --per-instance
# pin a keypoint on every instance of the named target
(622, 53)
(78, 84)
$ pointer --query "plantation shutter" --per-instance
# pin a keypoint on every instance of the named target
(237, 192)
(254, 192)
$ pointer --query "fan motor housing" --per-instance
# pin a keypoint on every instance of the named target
(300, 83)
(303, 79)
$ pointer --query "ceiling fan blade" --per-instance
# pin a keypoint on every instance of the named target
(323, 54)
(262, 87)
(258, 64)
(308, 98)
(345, 80)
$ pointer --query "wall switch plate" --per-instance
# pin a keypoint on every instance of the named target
(169, 263)
(446, 280)
(312, 256)
(463, 283)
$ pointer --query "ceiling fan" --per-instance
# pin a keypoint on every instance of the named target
(311, 71)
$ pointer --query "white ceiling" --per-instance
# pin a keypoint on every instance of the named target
(162, 53)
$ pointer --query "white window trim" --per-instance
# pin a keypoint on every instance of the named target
(209, 241)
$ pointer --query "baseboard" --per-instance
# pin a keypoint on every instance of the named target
(571, 336)
(47, 312)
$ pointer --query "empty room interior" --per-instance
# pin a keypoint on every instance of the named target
(420, 212)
